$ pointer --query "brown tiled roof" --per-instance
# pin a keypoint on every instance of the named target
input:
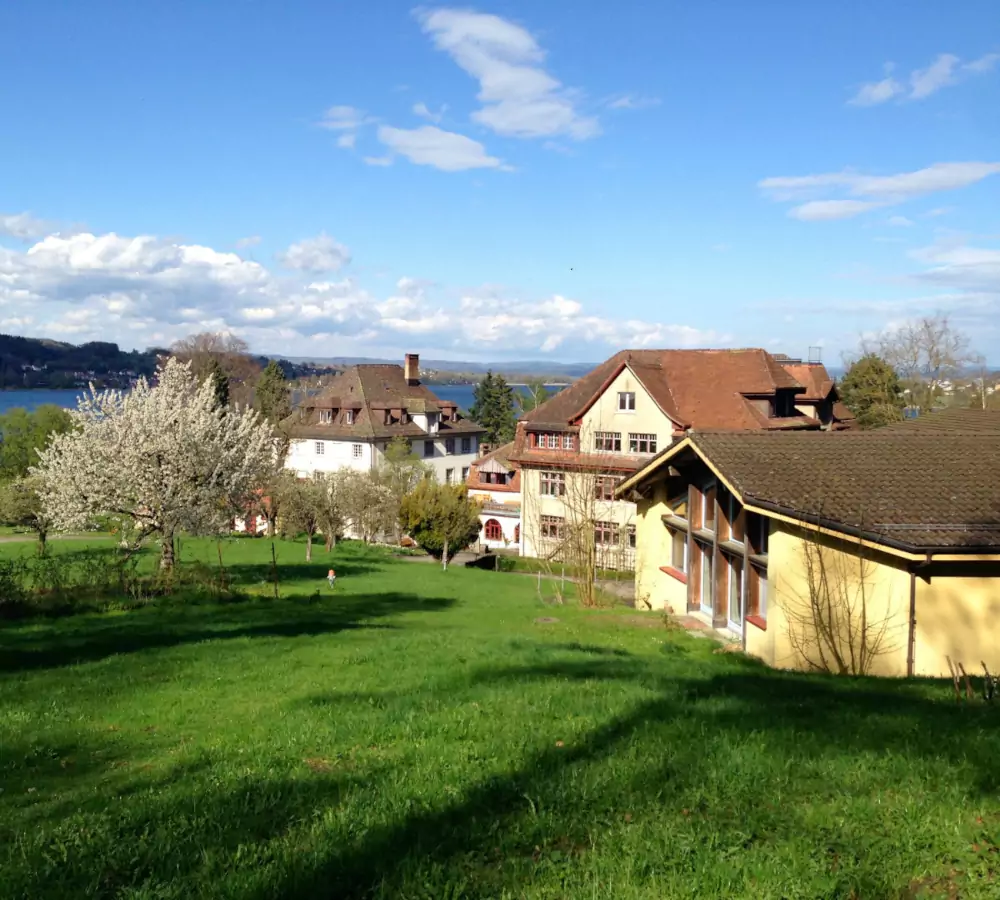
(913, 490)
(814, 377)
(952, 421)
(502, 456)
(569, 459)
(695, 388)
(371, 390)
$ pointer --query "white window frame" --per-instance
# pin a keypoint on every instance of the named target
(567, 442)
(626, 401)
(326, 416)
(357, 451)
(465, 473)
(319, 448)
(449, 476)
(349, 416)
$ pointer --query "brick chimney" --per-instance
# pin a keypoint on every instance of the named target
(411, 368)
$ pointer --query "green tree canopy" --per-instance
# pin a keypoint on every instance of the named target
(23, 434)
(871, 390)
(440, 518)
(493, 408)
(400, 472)
(20, 505)
(302, 507)
(272, 396)
(220, 383)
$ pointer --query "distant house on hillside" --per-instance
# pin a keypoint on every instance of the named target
(575, 448)
(495, 483)
(352, 421)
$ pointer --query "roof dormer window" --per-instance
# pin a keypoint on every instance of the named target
(349, 416)
(325, 416)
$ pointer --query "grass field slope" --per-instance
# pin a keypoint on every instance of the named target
(420, 734)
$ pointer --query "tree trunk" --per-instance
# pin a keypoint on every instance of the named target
(309, 547)
(270, 525)
(167, 552)
(42, 536)
(444, 556)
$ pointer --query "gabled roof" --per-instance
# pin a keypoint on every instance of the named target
(918, 492)
(694, 388)
(952, 421)
(371, 390)
(814, 377)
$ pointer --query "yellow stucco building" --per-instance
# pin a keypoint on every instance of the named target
(862, 552)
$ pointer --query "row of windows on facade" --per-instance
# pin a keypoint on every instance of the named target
(357, 450)
(606, 534)
(493, 531)
(712, 538)
(553, 484)
(604, 442)
(391, 417)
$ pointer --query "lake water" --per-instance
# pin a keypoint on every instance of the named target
(32, 399)
(462, 394)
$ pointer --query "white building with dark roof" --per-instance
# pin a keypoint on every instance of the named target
(353, 421)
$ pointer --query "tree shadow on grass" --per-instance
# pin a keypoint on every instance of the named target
(82, 639)
(185, 838)
(504, 832)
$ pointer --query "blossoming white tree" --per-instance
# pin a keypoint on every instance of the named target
(160, 458)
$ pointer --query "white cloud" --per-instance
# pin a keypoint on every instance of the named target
(251, 241)
(632, 101)
(432, 146)
(939, 74)
(23, 226)
(945, 70)
(899, 221)
(378, 160)
(963, 267)
(876, 92)
(318, 254)
(520, 98)
(829, 210)
(983, 65)
(422, 110)
(347, 140)
(343, 118)
(873, 190)
(143, 291)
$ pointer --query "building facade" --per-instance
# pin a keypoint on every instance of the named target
(576, 448)
(353, 421)
(495, 484)
(862, 553)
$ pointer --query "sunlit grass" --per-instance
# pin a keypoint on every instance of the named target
(418, 734)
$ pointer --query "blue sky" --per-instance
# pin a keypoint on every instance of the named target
(513, 180)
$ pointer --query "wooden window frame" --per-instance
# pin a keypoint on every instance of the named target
(551, 527)
(642, 443)
(608, 441)
(497, 533)
(604, 487)
(552, 484)
(606, 534)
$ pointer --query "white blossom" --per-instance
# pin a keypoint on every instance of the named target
(160, 458)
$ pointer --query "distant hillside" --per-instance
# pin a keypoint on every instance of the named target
(40, 363)
(527, 368)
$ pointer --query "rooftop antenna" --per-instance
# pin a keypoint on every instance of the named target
(815, 354)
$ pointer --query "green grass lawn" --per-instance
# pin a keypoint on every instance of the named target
(418, 734)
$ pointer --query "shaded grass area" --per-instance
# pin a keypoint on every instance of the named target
(417, 734)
